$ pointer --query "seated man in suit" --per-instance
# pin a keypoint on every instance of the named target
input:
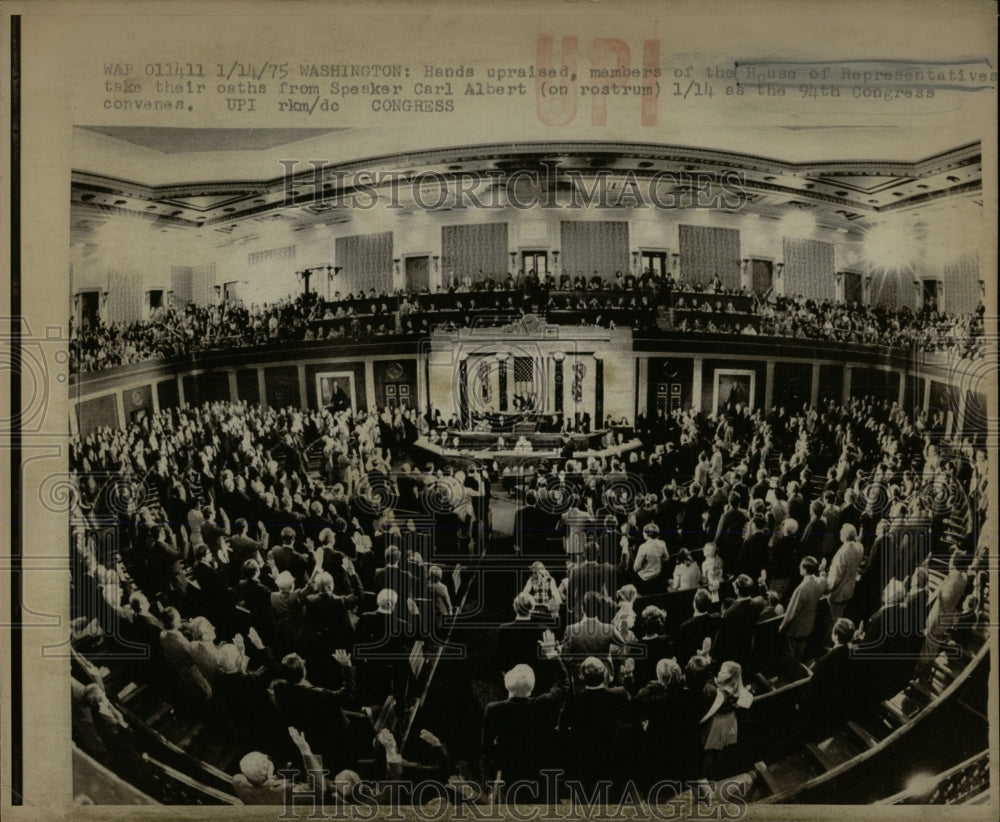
(519, 732)
(589, 637)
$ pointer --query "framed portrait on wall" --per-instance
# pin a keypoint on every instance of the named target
(733, 387)
(335, 390)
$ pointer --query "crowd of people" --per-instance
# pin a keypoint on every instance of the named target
(283, 564)
(695, 307)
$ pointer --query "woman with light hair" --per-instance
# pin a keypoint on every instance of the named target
(542, 587)
(719, 724)
(712, 569)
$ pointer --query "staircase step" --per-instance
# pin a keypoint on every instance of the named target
(921, 692)
(185, 741)
(893, 714)
(793, 770)
(765, 776)
(820, 757)
(130, 692)
(841, 748)
(157, 715)
(862, 735)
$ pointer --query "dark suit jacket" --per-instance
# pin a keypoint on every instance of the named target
(589, 576)
(289, 614)
(517, 642)
(256, 598)
(729, 535)
(734, 639)
(588, 637)
(519, 733)
(287, 558)
(831, 697)
(397, 579)
(591, 725)
(692, 632)
(320, 712)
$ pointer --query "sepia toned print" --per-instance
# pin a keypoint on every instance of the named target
(520, 414)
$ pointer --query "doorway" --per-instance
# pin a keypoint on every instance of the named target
(231, 291)
(654, 262)
(930, 295)
(761, 276)
(537, 261)
(418, 274)
(90, 309)
(155, 299)
(852, 288)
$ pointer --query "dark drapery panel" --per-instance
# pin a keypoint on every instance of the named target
(366, 262)
(180, 284)
(594, 246)
(810, 269)
(961, 285)
(474, 252)
(707, 251)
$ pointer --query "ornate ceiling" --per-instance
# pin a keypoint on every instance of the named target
(845, 194)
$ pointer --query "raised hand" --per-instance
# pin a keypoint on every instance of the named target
(430, 738)
(342, 657)
(299, 739)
